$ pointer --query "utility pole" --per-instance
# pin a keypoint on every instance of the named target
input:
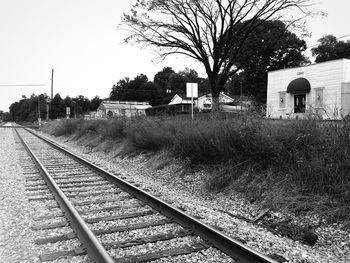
(51, 85)
(39, 119)
(51, 91)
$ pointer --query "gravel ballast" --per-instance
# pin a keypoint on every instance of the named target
(185, 190)
(20, 217)
(16, 236)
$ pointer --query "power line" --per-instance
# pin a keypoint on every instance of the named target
(22, 85)
(343, 36)
(336, 38)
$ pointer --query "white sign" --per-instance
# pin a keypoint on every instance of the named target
(192, 90)
(68, 110)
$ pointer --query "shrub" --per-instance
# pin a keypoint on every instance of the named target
(313, 157)
(65, 127)
(114, 129)
(151, 135)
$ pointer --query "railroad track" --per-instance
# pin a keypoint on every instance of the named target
(106, 219)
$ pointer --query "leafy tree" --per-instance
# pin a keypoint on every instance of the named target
(162, 78)
(81, 105)
(5, 116)
(118, 90)
(68, 102)
(138, 89)
(270, 47)
(58, 107)
(152, 93)
(214, 32)
(95, 103)
(171, 83)
(27, 109)
(329, 48)
(133, 91)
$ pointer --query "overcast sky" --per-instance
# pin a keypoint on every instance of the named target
(81, 41)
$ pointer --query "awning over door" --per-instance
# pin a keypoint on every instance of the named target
(299, 86)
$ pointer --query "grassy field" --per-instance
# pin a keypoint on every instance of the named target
(300, 166)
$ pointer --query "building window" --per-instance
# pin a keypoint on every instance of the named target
(109, 114)
(282, 99)
(319, 97)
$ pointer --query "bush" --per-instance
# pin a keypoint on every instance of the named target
(64, 127)
(150, 135)
(313, 157)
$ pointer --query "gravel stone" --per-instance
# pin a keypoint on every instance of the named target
(139, 233)
(16, 236)
(210, 255)
(124, 222)
(183, 188)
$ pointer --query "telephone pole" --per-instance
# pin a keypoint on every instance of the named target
(51, 86)
(50, 108)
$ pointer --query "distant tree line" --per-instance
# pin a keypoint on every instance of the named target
(4, 116)
(27, 109)
(165, 84)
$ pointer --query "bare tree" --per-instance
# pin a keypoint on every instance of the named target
(213, 32)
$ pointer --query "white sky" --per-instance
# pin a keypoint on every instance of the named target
(80, 40)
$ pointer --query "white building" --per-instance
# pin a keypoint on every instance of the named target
(202, 103)
(180, 99)
(109, 109)
(321, 90)
(205, 102)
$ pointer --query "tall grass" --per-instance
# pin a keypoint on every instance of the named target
(107, 129)
(305, 156)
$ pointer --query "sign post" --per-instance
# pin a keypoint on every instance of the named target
(67, 112)
(192, 91)
(48, 101)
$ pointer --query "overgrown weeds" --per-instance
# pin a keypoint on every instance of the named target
(270, 161)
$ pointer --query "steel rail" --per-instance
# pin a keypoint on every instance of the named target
(94, 248)
(238, 251)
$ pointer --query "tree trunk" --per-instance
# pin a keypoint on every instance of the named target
(215, 108)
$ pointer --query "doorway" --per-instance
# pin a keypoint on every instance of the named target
(299, 103)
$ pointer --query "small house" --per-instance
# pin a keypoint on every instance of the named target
(110, 109)
(321, 90)
(202, 103)
(205, 101)
(182, 104)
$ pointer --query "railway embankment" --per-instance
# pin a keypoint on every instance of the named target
(285, 181)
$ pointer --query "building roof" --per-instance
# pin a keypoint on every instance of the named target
(180, 99)
(182, 96)
(221, 94)
(311, 65)
(139, 105)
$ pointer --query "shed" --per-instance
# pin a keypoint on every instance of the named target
(321, 90)
(109, 109)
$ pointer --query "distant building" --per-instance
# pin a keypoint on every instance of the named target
(109, 109)
(204, 103)
(182, 104)
(321, 90)
(90, 115)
